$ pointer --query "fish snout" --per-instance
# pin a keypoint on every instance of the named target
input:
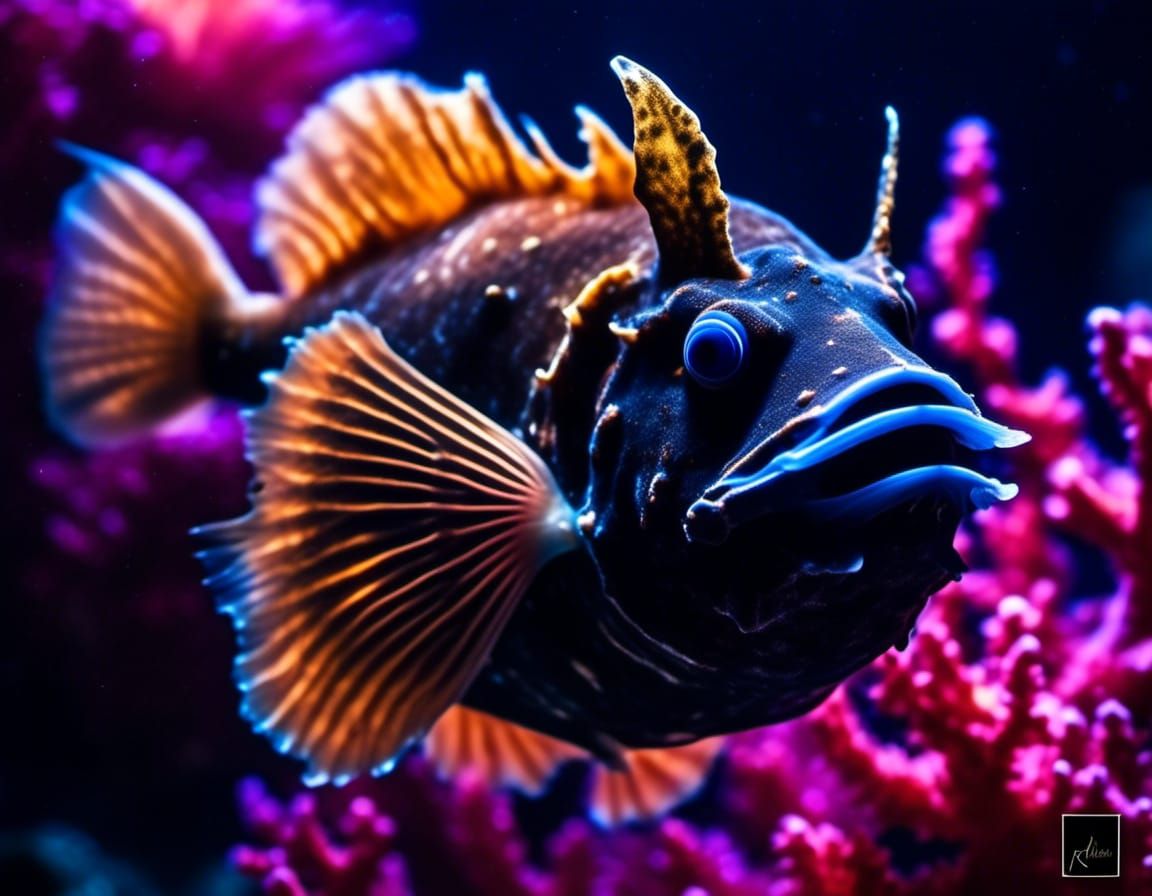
(886, 439)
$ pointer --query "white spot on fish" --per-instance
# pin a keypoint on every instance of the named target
(840, 371)
(530, 243)
(420, 277)
(489, 244)
(461, 239)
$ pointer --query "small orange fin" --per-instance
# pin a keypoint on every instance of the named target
(502, 753)
(392, 535)
(385, 156)
(651, 782)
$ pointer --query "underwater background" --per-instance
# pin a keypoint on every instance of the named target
(1025, 201)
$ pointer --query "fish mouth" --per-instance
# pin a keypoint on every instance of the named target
(889, 438)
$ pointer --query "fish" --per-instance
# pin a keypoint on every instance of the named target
(551, 463)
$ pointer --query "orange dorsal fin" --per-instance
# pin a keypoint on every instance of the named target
(500, 752)
(385, 156)
(651, 781)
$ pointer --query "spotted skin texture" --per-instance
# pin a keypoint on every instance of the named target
(433, 297)
(676, 181)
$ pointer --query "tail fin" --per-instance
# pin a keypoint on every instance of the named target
(137, 275)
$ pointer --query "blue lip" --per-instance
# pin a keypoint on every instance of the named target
(958, 482)
(752, 487)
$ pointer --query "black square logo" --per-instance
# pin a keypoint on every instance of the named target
(1091, 845)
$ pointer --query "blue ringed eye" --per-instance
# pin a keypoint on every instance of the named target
(715, 347)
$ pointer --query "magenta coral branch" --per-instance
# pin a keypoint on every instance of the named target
(305, 859)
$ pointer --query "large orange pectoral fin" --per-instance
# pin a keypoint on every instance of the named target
(651, 781)
(394, 532)
(500, 752)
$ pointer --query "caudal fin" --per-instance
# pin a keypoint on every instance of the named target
(137, 275)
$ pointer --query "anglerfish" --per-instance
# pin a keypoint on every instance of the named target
(550, 462)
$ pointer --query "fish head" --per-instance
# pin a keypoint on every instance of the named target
(776, 477)
(778, 426)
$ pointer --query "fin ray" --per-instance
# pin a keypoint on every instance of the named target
(677, 182)
(651, 782)
(500, 752)
(429, 523)
(137, 275)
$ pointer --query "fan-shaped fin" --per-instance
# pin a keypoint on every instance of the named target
(393, 531)
(500, 752)
(651, 782)
(137, 277)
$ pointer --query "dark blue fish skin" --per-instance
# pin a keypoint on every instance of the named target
(663, 639)
(477, 320)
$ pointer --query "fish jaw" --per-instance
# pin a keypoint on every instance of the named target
(773, 478)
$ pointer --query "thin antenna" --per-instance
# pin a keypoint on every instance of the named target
(880, 242)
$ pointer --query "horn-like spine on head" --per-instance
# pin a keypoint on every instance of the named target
(677, 182)
(880, 242)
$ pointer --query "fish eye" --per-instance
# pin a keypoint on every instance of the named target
(715, 348)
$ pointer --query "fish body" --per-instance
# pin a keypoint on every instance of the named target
(551, 463)
(477, 305)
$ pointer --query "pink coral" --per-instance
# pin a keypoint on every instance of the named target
(461, 837)
(305, 855)
(944, 768)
